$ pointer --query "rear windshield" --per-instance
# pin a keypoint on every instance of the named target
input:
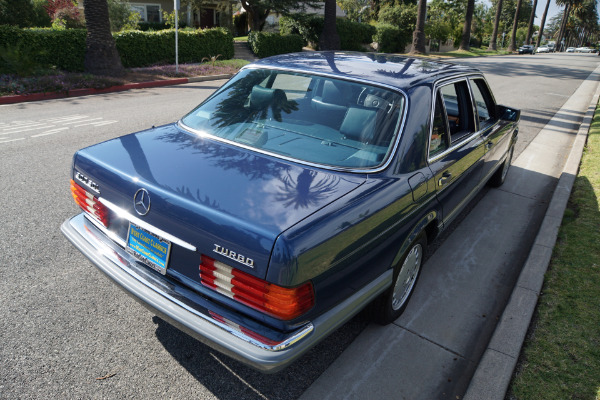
(308, 118)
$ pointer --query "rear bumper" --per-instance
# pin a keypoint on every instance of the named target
(200, 317)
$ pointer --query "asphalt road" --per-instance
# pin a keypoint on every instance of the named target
(64, 325)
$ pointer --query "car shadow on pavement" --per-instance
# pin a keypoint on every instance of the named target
(227, 378)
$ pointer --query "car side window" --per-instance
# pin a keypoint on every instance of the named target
(457, 101)
(439, 141)
(483, 101)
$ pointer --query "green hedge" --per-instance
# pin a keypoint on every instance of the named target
(390, 39)
(353, 35)
(269, 44)
(139, 49)
(65, 49)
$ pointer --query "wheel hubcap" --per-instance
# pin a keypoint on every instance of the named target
(407, 276)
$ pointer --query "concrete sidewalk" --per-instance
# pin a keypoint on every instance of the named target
(433, 350)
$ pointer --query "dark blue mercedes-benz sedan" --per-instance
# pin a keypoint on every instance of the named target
(304, 189)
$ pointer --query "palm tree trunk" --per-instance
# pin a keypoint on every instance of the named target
(330, 40)
(418, 42)
(513, 36)
(531, 18)
(563, 26)
(101, 56)
(537, 44)
(466, 35)
(496, 23)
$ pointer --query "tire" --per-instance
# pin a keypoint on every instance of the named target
(500, 175)
(390, 305)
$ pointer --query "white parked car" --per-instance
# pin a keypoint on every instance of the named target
(571, 50)
(584, 49)
(543, 49)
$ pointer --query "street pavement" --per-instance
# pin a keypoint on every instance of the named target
(65, 325)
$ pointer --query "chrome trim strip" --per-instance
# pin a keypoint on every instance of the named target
(399, 127)
(113, 236)
(159, 232)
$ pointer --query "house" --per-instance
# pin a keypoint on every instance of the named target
(272, 21)
(210, 15)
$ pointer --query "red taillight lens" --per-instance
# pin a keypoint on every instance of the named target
(280, 302)
(89, 203)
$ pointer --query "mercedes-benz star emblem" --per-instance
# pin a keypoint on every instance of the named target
(141, 202)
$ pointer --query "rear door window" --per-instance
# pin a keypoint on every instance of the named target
(483, 101)
(457, 102)
(440, 139)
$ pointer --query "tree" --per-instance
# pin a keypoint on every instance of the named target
(259, 10)
(542, 22)
(513, 36)
(446, 19)
(16, 12)
(330, 40)
(492, 45)
(480, 25)
(64, 14)
(466, 35)
(101, 56)
(121, 16)
(530, 26)
(418, 42)
(356, 10)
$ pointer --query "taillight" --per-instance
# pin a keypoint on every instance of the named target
(277, 301)
(89, 203)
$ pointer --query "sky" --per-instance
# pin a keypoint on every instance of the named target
(539, 11)
(552, 11)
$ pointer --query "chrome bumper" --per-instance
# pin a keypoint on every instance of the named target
(174, 304)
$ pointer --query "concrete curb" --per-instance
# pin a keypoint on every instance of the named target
(112, 89)
(494, 372)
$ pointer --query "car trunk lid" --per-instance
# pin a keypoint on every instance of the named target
(228, 202)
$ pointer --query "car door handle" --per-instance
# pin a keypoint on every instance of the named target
(445, 178)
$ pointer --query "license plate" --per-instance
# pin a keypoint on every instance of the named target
(148, 248)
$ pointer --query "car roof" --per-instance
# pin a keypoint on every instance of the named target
(387, 69)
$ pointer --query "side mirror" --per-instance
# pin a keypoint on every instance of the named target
(508, 114)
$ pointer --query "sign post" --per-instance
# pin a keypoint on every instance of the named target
(176, 4)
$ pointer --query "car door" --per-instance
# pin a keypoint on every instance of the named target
(493, 131)
(456, 150)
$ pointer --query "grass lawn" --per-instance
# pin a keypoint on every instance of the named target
(561, 356)
(473, 52)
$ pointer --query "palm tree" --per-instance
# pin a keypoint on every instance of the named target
(101, 56)
(563, 25)
(496, 23)
(466, 35)
(330, 40)
(541, 33)
(513, 37)
(531, 18)
(570, 6)
(418, 42)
